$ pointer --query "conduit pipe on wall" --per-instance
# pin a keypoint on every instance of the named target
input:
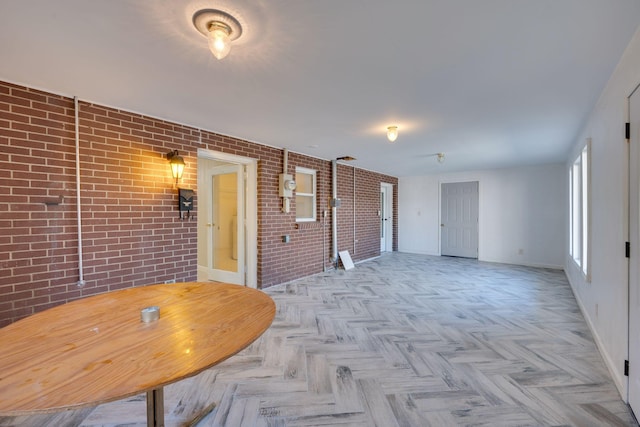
(354, 211)
(324, 240)
(81, 281)
(285, 161)
(334, 211)
(285, 169)
(286, 183)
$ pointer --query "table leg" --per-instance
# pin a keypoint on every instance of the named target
(155, 407)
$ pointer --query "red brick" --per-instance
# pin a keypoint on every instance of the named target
(131, 233)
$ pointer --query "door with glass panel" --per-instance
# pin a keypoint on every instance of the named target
(386, 218)
(221, 257)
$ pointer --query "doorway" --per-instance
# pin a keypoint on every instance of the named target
(633, 389)
(386, 217)
(459, 219)
(227, 219)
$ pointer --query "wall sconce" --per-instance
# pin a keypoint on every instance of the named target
(392, 133)
(177, 164)
(220, 28)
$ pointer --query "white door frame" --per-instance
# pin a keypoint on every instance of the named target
(251, 209)
(386, 244)
(633, 262)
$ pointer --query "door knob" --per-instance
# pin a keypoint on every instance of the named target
(441, 225)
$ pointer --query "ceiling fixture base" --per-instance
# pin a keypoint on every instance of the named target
(203, 19)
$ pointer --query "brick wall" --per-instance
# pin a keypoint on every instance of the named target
(131, 232)
(367, 206)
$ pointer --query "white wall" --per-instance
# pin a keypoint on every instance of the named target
(520, 209)
(609, 221)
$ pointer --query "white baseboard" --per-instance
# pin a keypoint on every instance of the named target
(618, 379)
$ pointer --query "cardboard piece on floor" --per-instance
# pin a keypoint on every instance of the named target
(346, 260)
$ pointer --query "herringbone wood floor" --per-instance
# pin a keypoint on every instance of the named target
(403, 340)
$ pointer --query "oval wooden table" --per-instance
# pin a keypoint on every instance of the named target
(97, 349)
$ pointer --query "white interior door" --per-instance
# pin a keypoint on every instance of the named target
(459, 219)
(634, 260)
(230, 253)
(221, 219)
(386, 218)
(226, 225)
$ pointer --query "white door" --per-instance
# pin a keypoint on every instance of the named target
(226, 225)
(239, 264)
(386, 218)
(634, 260)
(459, 219)
(221, 243)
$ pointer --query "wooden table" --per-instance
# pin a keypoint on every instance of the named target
(97, 349)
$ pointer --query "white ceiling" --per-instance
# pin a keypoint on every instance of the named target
(491, 83)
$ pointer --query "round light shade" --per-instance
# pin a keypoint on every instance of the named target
(219, 41)
(392, 133)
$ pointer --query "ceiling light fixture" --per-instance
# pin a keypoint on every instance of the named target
(392, 133)
(440, 157)
(220, 28)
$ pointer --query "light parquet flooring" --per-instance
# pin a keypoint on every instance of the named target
(402, 340)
